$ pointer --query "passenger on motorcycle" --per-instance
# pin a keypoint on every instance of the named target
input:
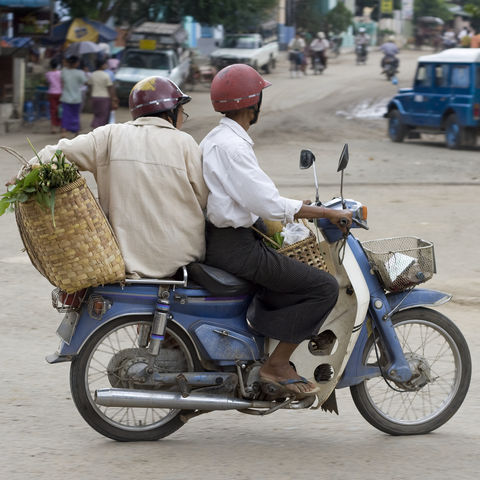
(390, 52)
(292, 299)
(319, 47)
(149, 178)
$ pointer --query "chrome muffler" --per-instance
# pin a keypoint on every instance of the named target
(121, 397)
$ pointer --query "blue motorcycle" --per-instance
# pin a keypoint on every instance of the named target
(149, 355)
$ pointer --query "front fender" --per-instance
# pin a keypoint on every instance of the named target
(355, 372)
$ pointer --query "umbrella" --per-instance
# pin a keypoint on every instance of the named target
(81, 48)
(80, 29)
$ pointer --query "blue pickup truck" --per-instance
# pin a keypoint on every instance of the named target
(444, 99)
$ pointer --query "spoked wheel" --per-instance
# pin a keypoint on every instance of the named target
(110, 359)
(440, 361)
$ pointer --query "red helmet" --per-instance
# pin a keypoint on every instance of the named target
(154, 95)
(235, 87)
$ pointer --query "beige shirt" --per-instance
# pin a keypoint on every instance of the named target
(151, 188)
(100, 81)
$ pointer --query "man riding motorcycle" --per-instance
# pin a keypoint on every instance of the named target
(362, 40)
(292, 299)
(390, 52)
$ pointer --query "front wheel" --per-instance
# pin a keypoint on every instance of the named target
(109, 359)
(441, 365)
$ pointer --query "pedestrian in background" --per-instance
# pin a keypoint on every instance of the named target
(54, 80)
(102, 94)
(73, 80)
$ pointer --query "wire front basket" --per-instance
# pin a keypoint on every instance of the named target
(401, 262)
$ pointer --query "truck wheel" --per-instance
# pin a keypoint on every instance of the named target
(470, 137)
(454, 133)
(396, 128)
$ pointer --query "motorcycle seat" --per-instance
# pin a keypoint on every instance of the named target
(217, 281)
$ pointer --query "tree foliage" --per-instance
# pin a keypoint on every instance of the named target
(339, 18)
(473, 8)
(235, 15)
(434, 8)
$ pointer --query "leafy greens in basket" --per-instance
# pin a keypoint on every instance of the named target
(40, 182)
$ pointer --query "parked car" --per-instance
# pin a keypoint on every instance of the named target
(249, 48)
(153, 49)
(444, 99)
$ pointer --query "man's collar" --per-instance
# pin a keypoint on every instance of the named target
(237, 128)
(157, 121)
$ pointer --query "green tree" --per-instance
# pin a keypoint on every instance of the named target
(434, 8)
(473, 8)
(339, 18)
(234, 15)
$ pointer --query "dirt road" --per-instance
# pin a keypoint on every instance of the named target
(416, 188)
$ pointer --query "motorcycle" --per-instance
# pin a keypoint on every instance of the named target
(318, 64)
(336, 43)
(149, 355)
(389, 66)
(361, 54)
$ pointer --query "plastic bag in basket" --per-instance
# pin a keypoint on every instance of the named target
(294, 232)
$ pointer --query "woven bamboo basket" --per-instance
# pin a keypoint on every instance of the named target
(306, 251)
(81, 251)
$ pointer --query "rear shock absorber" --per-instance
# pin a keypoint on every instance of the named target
(160, 319)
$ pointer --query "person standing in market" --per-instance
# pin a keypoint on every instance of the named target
(149, 179)
(102, 94)
(73, 80)
(292, 299)
(54, 92)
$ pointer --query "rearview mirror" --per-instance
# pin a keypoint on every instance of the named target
(343, 161)
(306, 159)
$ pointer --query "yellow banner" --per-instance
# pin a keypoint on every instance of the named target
(386, 6)
(81, 31)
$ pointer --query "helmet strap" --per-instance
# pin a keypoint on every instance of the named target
(256, 110)
(173, 116)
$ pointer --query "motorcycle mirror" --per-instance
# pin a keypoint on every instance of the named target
(343, 161)
(306, 159)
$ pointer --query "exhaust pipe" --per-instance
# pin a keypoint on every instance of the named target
(120, 397)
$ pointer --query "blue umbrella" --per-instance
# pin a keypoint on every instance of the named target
(59, 32)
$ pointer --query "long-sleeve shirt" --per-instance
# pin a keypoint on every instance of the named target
(240, 191)
(150, 186)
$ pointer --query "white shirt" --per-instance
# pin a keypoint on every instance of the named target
(150, 186)
(240, 191)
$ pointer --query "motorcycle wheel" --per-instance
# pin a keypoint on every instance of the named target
(440, 361)
(396, 127)
(104, 362)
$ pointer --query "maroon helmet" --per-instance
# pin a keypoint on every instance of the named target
(154, 95)
(235, 87)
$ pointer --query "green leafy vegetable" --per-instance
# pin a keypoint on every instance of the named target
(40, 182)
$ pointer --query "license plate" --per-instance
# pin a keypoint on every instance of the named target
(66, 329)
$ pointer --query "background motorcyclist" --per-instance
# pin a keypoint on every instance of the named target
(390, 52)
(362, 40)
(296, 52)
(318, 48)
(292, 299)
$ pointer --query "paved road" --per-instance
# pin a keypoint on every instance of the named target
(416, 188)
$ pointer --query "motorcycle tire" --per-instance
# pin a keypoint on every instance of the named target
(115, 344)
(414, 410)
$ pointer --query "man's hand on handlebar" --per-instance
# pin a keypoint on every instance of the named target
(341, 218)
